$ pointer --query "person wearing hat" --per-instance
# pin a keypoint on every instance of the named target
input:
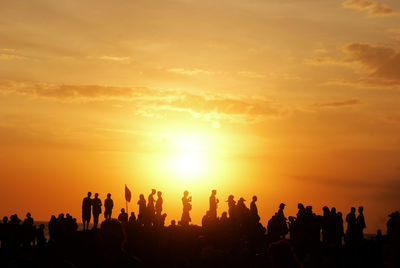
(231, 206)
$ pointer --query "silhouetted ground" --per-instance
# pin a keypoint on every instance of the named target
(236, 239)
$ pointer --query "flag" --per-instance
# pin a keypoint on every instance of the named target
(127, 194)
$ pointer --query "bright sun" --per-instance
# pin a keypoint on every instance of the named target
(188, 163)
(187, 157)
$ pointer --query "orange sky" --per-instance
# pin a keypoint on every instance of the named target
(294, 101)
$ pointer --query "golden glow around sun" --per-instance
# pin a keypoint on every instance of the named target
(187, 157)
(186, 160)
(188, 164)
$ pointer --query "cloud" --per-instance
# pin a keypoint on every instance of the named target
(380, 65)
(189, 72)
(115, 59)
(373, 8)
(250, 74)
(207, 106)
(338, 103)
(71, 92)
(10, 54)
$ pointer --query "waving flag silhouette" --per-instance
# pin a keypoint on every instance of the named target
(128, 194)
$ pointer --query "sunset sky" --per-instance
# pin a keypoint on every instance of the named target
(290, 100)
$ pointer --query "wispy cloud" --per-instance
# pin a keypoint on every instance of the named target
(339, 103)
(190, 72)
(116, 59)
(380, 65)
(155, 102)
(251, 74)
(10, 54)
(373, 8)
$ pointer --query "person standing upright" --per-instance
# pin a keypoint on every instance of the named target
(108, 207)
(187, 206)
(360, 223)
(159, 204)
(86, 210)
(150, 207)
(96, 210)
(213, 204)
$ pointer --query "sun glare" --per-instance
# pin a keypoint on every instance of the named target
(188, 164)
(186, 156)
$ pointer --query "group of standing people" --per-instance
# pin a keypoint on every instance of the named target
(150, 214)
(355, 226)
(93, 206)
(15, 233)
(305, 226)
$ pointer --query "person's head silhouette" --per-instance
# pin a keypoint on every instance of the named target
(360, 209)
(96, 195)
(185, 193)
(159, 193)
(282, 206)
(254, 198)
(353, 210)
(89, 194)
(122, 210)
(214, 192)
(108, 195)
(153, 191)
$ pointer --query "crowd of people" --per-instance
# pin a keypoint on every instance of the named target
(237, 237)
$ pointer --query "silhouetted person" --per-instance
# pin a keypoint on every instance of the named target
(187, 206)
(301, 211)
(40, 238)
(231, 207)
(108, 207)
(393, 226)
(253, 210)
(340, 229)
(86, 211)
(277, 226)
(326, 220)
(150, 208)
(159, 204)
(360, 223)
(142, 209)
(123, 216)
(96, 210)
(4, 233)
(213, 204)
(52, 227)
(28, 231)
(351, 233)
(280, 211)
(242, 210)
(132, 218)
